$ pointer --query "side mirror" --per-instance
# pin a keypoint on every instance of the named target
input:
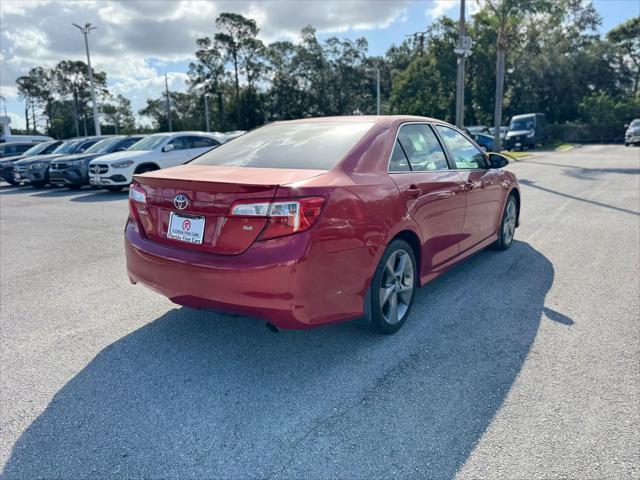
(626, 125)
(167, 148)
(81, 150)
(498, 161)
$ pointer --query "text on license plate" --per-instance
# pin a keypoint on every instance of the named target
(185, 228)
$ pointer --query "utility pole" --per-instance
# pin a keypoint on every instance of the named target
(168, 102)
(206, 111)
(85, 31)
(460, 79)
(377, 91)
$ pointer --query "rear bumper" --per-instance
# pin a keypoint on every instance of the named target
(285, 281)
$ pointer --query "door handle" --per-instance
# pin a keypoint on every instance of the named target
(413, 191)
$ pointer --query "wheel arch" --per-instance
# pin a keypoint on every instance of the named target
(413, 240)
(516, 194)
(153, 165)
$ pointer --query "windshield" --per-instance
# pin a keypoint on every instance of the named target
(67, 147)
(312, 145)
(36, 149)
(149, 143)
(104, 146)
(635, 123)
(521, 124)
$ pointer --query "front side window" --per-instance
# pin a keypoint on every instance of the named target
(464, 153)
(418, 148)
(317, 145)
(180, 143)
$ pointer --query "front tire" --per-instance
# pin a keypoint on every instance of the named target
(393, 288)
(507, 225)
(116, 188)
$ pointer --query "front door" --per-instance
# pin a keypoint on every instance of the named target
(484, 193)
(433, 192)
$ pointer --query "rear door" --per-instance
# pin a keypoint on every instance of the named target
(483, 187)
(200, 145)
(433, 192)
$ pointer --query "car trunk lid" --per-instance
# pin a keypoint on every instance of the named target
(210, 192)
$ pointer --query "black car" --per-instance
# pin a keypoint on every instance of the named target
(73, 170)
(36, 171)
(6, 163)
(526, 131)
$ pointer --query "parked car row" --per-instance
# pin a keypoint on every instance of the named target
(524, 131)
(105, 161)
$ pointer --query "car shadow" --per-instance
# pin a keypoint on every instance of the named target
(201, 395)
(532, 184)
(102, 196)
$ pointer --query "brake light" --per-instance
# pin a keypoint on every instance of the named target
(137, 194)
(283, 217)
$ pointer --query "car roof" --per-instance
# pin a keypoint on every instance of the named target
(382, 120)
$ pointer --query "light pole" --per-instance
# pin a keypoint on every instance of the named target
(85, 31)
(377, 91)
(460, 79)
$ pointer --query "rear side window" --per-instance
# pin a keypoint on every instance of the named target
(203, 142)
(465, 154)
(417, 148)
(312, 145)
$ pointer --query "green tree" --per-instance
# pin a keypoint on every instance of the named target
(626, 37)
(238, 38)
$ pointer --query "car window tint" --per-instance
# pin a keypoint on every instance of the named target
(203, 142)
(398, 162)
(180, 143)
(465, 154)
(128, 142)
(84, 146)
(306, 145)
(422, 148)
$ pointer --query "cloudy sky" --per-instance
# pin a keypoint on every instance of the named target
(137, 42)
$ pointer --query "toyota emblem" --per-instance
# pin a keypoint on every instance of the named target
(181, 201)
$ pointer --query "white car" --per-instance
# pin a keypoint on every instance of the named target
(161, 150)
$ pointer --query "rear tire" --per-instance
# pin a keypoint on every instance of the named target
(507, 228)
(393, 288)
(74, 187)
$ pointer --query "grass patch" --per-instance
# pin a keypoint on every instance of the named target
(561, 147)
(515, 155)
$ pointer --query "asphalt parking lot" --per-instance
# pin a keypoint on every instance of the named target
(521, 364)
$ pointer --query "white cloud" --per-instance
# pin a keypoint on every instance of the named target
(134, 38)
(451, 8)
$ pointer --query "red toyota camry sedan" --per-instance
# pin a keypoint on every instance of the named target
(313, 221)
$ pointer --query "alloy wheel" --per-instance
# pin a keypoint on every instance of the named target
(509, 224)
(396, 287)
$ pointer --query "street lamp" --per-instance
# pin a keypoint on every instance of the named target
(85, 31)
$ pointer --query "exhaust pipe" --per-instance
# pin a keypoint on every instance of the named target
(272, 327)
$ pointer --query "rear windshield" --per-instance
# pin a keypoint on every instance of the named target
(313, 145)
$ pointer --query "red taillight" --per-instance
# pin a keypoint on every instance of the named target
(138, 212)
(283, 217)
